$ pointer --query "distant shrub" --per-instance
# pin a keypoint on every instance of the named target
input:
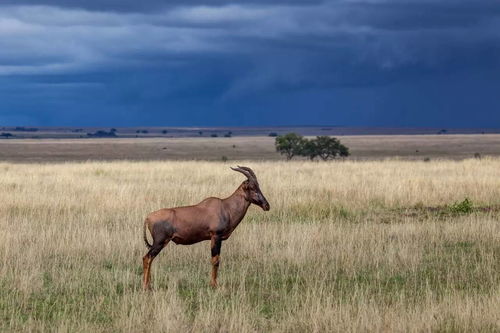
(224, 158)
(228, 135)
(26, 129)
(200, 133)
(144, 131)
(464, 207)
(102, 134)
(213, 135)
(477, 155)
(234, 146)
(113, 130)
(273, 134)
(164, 132)
(6, 135)
(427, 159)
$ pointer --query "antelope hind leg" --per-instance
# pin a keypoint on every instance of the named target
(216, 243)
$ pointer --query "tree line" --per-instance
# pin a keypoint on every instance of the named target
(324, 147)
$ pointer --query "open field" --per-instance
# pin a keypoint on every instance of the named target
(236, 148)
(347, 246)
(27, 132)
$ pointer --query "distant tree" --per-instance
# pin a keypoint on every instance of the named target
(145, 131)
(309, 149)
(273, 134)
(164, 131)
(290, 144)
(138, 131)
(6, 135)
(329, 148)
(228, 134)
(213, 135)
(200, 133)
(343, 150)
(113, 130)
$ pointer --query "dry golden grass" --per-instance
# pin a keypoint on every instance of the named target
(346, 247)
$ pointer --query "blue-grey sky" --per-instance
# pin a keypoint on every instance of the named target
(248, 63)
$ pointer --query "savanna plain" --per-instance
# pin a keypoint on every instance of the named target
(348, 246)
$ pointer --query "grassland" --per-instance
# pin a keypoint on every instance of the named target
(347, 246)
(413, 147)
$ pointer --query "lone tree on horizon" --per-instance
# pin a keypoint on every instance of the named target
(329, 148)
(324, 147)
(290, 144)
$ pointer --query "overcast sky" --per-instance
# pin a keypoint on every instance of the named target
(246, 63)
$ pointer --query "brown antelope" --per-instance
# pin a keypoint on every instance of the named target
(213, 219)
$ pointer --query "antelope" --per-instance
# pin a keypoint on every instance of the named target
(212, 219)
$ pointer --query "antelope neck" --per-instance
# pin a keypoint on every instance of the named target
(238, 205)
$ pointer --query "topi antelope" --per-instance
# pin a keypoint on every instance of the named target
(213, 219)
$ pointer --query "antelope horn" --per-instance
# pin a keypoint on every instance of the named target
(250, 171)
(247, 172)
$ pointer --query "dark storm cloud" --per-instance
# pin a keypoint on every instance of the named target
(146, 5)
(425, 15)
(150, 59)
(383, 33)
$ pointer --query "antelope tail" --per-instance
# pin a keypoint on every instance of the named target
(145, 236)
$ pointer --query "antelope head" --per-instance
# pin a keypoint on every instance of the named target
(251, 187)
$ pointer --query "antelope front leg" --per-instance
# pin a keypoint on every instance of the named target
(215, 247)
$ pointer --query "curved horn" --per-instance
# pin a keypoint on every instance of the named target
(250, 171)
(247, 172)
